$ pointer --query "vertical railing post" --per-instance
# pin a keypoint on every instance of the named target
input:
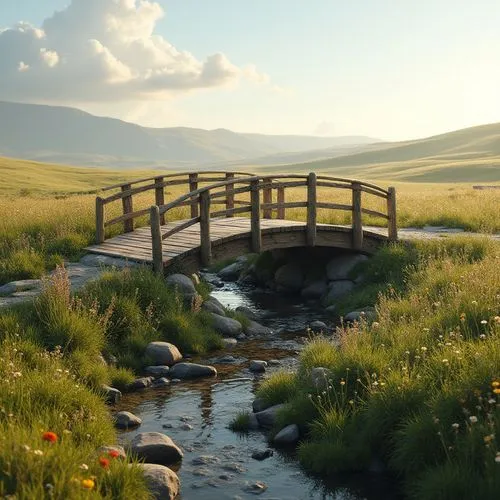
(311, 210)
(99, 220)
(193, 186)
(255, 217)
(229, 194)
(160, 196)
(267, 195)
(391, 213)
(156, 241)
(357, 223)
(281, 202)
(128, 208)
(206, 244)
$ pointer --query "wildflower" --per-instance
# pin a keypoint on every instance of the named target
(88, 484)
(445, 361)
(496, 391)
(423, 349)
(473, 419)
(455, 425)
(495, 383)
(25, 447)
(496, 319)
(114, 453)
(104, 462)
(51, 437)
(474, 302)
(489, 438)
(38, 453)
(425, 329)
(84, 467)
(342, 382)
(462, 317)
(484, 322)
(376, 324)
(491, 401)
(351, 401)
(17, 374)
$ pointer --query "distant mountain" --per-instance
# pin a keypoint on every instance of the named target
(70, 136)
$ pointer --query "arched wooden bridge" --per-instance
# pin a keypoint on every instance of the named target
(232, 213)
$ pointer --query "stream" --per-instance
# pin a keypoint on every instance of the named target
(196, 414)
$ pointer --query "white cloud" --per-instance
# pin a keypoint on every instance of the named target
(97, 50)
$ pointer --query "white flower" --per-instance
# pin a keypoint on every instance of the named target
(84, 467)
(473, 419)
(38, 453)
(455, 425)
(484, 322)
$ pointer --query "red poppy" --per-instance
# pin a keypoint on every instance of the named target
(114, 453)
(50, 436)
(104, 462)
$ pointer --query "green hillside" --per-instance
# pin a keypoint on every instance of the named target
(468, 155)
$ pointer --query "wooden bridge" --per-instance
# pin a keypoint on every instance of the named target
(232, 213)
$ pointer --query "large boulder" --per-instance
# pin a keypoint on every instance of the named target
(20, 286)
(340, 267)
(267, 417)
(338, 288)
(227, 327)
(182, 283)
(162, 482)
(157, 371)
(367, 314)
(258, 366)
(163, 353)
(246, 311)
(287, 436)
(233, 271)
(116, 450)
(111, 394)
(315, 289)
(140, 383)
(259, 405)
(192, 370)
(254, 328)
(289, 277)
(155, 448)
(125, 420)
(214, 306)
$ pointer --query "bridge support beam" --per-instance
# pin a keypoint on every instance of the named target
(100, 234)
(206, 244)
(255, 217)
(156, 240)
(357, 224)
(391, 212)
(311, 210)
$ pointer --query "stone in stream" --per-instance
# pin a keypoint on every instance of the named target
(331, 310)
(140, 383)
(318, 326)
(289, 277)
(229, 342)
(339, 267)
(111, 394)
(163, 353)
(232, 272)
(258, 366)
(162, 482)
(246, 311)
(227, 327)
(315, 290)
(112, 450)
(262, 454)
(287, 436)
(254, 328)
(126, 420)
(182, 283)
(192, 370)
(157, 371)
(156, 448)
(161, 382)
(267, 418)
(205, 460)
(253, 423)
(214, 306)
(256, 487)
(259, 404)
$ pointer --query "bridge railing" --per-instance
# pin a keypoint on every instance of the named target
(126, 194)
(261, 205)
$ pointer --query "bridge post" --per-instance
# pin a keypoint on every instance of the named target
(255, 217)
(281, 202)
(99, 221)
(229, 194)
(391, 212)
(357, 223)
(206, 244)
(128, 225)
(156, 241)
(311, 210)
(267, 193)
(160, 196)
(193, 186)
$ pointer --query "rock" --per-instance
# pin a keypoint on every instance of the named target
(234, 467)
(289, 277)
(163, 353)
(112, 449)
(205, 460)
(20, 286)
(287, 436)
(94, 260)
(320, 378)
(253, 423)
(229, 342)
(161, 382)
(157, 371)
(214, 306)
(125, 420)
(262, 454)
(162, 482)
(155, 448)
(186, 427)
(112, 395)
(318, 326)
(227, 327)
(338, 289)
(258, 366)
(274, 362)
(182, 283)
(340, 267)
(368, 314)
(246, 311)
(315, 290)
(259, 405)
(256, 487)
(202, 471)
(192, 370)
(331, 310)
(267, 418)
(232, 272)
(140, 383)
(254, 328)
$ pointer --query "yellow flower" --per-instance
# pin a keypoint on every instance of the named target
(496, 391)
(496, 383)
(88, 484)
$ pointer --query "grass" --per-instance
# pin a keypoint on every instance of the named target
(419, 389)
(241, 422)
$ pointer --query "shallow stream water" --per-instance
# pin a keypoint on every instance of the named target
(196, 414)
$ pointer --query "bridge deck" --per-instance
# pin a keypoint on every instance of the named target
(137, 245)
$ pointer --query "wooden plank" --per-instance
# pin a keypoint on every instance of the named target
(206, 246)
(99, 220)
(128, 208)
(357, 224)
(391, 212)
(281, 202)
(193, 186)
(160, 196)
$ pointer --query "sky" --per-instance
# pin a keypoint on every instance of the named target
(390, 69)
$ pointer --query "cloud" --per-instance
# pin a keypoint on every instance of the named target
(103, 50)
